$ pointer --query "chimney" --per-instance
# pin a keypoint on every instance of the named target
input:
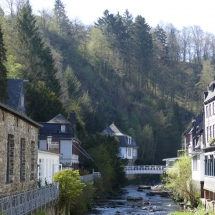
(72, 118)
(205, 95)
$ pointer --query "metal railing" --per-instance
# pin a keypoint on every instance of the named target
(28, 201)
(90, 177)
(146, 169)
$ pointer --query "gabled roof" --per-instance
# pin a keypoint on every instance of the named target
(124, 139)
(59, 119)
(112, 130)
(211, 93)
(15, 91)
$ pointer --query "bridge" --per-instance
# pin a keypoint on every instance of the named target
(146, 169)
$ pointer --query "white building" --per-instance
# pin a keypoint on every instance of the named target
(63, 139)
(127, 146)
(209, 145)
(48, 165)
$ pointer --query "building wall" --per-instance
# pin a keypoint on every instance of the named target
(22, 133)
(48, 165)
(66, 151)
(209, 122)
(198, 174)
(124, 153)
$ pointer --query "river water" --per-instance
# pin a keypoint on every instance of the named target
(119, 205)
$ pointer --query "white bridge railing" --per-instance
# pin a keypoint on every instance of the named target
(90, 177)
(146, 169)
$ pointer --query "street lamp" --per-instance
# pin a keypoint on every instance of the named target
(49, 141)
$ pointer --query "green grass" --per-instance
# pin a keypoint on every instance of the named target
(41, 213)
(181, 213)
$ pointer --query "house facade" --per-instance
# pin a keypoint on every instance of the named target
(63, 139)
(209, 144)
(48, 165)
(199, 140)
(18, 154)
(194, 144)
(128, 148)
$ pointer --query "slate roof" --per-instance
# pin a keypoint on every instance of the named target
(210, 93)
(15, 90)
(53, 128)
(124, 139)
(59, 119)
(21, 115)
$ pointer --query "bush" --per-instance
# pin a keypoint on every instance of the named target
(70, 187)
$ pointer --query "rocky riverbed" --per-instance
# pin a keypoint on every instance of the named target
(135, 201)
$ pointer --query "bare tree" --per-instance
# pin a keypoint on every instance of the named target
(207, 46)
(12, 6)
(197, 37)
(173, 42)
(185, 40)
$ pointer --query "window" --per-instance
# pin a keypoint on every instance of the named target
(213, 130)
(129, 152)
(33, 161)
(209, 165)
(213, 108)
(207, 111)
(210, 132)
(2, 115)
(41, 168)
(22, 100)
(206, 164)
(63, 128)
(10, 159)
(54, 146)
(195, 163)
(22, 159)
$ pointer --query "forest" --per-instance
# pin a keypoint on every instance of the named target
(148, 81)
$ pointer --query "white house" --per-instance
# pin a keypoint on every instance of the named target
(127, 145)
(209, 145)
(48, 164)
(63, 139)
(194, 143)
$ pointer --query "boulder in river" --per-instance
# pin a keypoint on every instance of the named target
(146, 203)
(144, 187)
(132, 198)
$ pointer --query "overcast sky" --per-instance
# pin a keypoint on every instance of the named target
(178, 12)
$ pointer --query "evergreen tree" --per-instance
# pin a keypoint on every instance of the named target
(41, 103)
(3, 70)
(73, 84)
(36, 58)
(142, 50)
(62, 20)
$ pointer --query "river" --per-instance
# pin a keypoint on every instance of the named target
(119, 205)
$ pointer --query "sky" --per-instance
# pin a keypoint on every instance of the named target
(180, 13)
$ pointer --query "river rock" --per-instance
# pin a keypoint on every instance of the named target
(144, 187)
(131, 198)
(146, 203)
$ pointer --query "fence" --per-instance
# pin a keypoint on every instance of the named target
(90, 177)
(28, 201)
(147, 169)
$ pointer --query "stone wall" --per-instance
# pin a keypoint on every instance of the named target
(17, 131)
